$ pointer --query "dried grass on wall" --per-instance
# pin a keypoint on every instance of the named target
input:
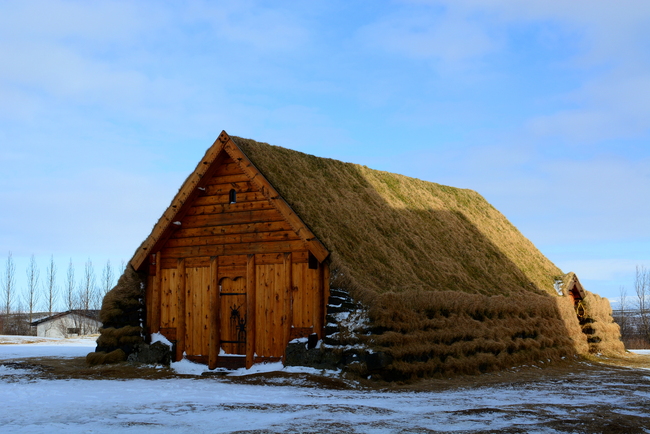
(121, 319)
(572, 326)
(447, 333)
(603, 334)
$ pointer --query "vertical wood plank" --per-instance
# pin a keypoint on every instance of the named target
(154, 316)
(279, 314)
(172, 300)
(213, 351)
(205, 311)
(287, 293)
(263, 308)
(192, 326)
(250, 311)
(316, 297)
(165, 318)
(310, 294)
(180, 316)
(190, 310)
(325, 288)
(297, 293)
(260, 316)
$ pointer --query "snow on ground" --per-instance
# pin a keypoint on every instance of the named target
(218, 405)
(186, 367)
(644, 352)
(12, 347)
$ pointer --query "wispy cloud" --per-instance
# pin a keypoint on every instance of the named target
(451, 41)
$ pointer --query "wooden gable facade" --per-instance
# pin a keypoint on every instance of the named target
(232, 273)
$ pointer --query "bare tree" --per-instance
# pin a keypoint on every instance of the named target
(8, 289)
(70, 301)
(622, 316)
(108, 278)
(33, 294)
(19, 324)
(642, 289)
(51, 290)
(88, 288)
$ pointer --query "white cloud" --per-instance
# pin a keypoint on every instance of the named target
(610, 55)
(266, 30)
(450, 39)
(611, 106)
(78, 22)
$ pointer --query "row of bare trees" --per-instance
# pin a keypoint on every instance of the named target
(45, 295)
(633, 313)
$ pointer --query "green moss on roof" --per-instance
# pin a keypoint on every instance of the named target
(389, 232)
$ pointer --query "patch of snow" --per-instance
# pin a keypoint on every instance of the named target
(8, 370)
(258, 368)
(313, 371)
(17, 347)
(644, 352)
(340, 316)
(262, 368)
(187, 367)
(159, 337)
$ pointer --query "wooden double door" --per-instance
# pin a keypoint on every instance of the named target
(215, 315)
(239, 306)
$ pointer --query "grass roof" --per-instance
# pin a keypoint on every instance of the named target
(391, 233)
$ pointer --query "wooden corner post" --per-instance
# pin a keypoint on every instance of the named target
(251, 306)
(288, 302)
(325, 279)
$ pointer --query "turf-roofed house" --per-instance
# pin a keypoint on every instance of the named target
(266, 251)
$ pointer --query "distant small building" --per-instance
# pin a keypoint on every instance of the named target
(67, 324)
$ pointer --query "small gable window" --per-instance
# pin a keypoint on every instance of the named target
(232, 196)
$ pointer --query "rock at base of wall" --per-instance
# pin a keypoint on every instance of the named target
(154, 354)
(299, 355)
(358, 361)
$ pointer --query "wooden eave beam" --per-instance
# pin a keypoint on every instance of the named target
(256, 177)
(187, 191)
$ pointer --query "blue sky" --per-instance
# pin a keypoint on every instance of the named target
(543, 107)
